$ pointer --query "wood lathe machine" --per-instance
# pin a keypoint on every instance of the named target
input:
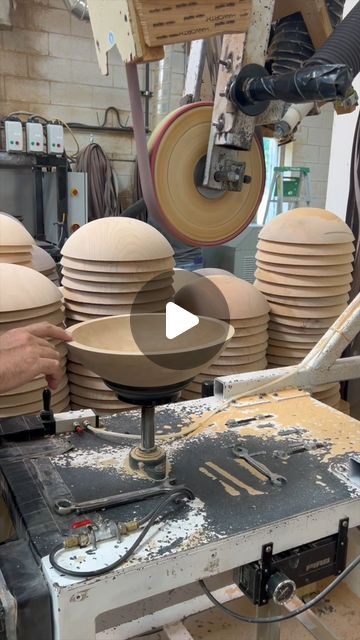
(259, 484)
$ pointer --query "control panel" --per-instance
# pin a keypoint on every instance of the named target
(34, 137)
(13, 135)
(55, 139)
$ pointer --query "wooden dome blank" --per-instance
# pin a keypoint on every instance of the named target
(23, 288)
(12, 232)
(307, 226)
(117, 239)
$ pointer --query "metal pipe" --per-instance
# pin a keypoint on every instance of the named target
(78, 8)
(147, 428)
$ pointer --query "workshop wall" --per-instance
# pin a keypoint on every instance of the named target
(48, 65)
(311, 148)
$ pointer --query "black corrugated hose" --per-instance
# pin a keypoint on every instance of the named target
(102, 187)
(326, 76)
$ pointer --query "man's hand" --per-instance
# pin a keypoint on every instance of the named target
(26, 353)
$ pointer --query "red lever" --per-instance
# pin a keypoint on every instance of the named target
(81, 524)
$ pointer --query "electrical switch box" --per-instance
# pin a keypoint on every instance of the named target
(13, 135)
(55, 139)
(34, 137)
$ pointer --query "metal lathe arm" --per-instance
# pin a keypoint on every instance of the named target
(322, 365)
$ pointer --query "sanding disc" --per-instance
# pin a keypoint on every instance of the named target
(195, 215)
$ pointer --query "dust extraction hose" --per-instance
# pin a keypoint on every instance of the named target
(327, 75)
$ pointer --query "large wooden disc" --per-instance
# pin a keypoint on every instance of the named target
(196, 216)
(301, 292)
(146, 267)
(15, 248)
(302, 281)
(312, 271)
(302, 261)
(118, 298)
(115, 287)
(307, 249)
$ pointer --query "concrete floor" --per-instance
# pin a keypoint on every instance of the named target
(340, 612)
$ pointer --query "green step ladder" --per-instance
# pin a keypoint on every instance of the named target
(294, 188)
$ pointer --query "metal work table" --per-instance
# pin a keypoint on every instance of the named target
(235, 513)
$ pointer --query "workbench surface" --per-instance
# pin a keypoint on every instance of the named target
(231, 498)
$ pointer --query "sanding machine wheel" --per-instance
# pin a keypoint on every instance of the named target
(197, 215)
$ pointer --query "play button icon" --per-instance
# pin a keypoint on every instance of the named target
(178, 320)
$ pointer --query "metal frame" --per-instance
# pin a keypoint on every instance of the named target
(321, 366)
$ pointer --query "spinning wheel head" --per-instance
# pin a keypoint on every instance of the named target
(196, 215)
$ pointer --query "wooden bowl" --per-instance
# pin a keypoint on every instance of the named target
(309, 302)
(29, 314)
(109, 409)
(89, 383)
(116, 287)
(16, 249)
(56, 318)
(145, 267)
(42, 261)
(312, 271)
(310, 260)
(12, 232)
(16, 258)
(108, 348)
(117, 239)
(299, 337)
(301, 292)
(306, 249)
(140, 297)
(292, 344)
(307, 312)
(237, 299)
(213, 271)
(307, 226)
(234, 351)
(139, 278)
(239, 360)
(304, 323)
(302, 281)
(25, 289)
(93, 394)
(248, 341)
(113, 310)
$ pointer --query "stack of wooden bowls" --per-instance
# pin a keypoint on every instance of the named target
(245, 308)
(15, 242)
(112, 266)
(42, 261)
(28, 298)
(304, 267)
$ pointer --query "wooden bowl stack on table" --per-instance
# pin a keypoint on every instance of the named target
(42, 261)
(112, 266)
(229, 298)
(304, 268)
(27, 297)
(15, 241)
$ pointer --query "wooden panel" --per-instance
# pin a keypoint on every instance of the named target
(167, 22)
(315, 16)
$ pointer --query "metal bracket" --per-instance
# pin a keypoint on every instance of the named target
(342, 545)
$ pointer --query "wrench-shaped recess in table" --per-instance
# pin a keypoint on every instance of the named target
(243, 454)
(65, 507)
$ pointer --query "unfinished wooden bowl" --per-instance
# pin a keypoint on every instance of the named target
(304, 292)
(116, 287)
(117, 239)
(108, 348)
(307, 312)
(243, 351)
(239, 360)
(77, 368)
(307, 226)
(42, 261)
(306, 249)
(293, 346)
(305, 323)
(309, 302)
(16, 258)
(25, 289)
(145, 267)
(310, 260)
(92, 394)
(56, 318)
(287, 352)
(247, 341)
(300, 337)
(20, 250)
(237, 298)
(213, 271)
(302, 281)
(137, 297)
(312, 271)
(121, 277)
(30, 314)
(13, 233)
(89, 383)
(113, 310)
